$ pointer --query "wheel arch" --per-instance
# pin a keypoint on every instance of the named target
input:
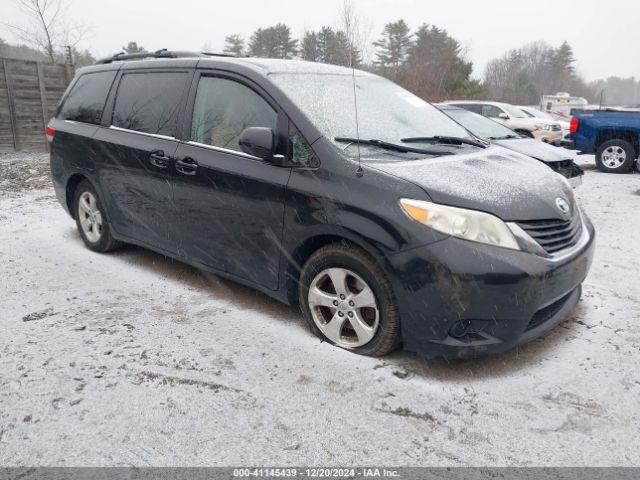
(295, 261)
(70, 191)
(616, 134)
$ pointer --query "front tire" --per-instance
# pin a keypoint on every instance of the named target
(91, 219)
(615, 156)
(347, 300)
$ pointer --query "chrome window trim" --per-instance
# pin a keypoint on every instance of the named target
(154, 135)
(223, 150)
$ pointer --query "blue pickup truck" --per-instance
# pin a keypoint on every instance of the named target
(613, 135)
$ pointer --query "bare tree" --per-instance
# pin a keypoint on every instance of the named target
(357, 32)
(46, 27)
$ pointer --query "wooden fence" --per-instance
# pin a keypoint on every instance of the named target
(29, 94)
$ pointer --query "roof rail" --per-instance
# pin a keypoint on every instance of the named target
(162, 53)
(214, 54)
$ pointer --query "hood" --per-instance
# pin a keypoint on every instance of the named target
(495, 180)
(535, 148)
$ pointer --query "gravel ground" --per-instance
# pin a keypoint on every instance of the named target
(134, 359)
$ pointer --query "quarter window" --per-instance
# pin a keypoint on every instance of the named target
(224, 108)
(149, 102)
(86, 99)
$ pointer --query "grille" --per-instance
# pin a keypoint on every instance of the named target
(554, 235)
(547, 312)
(556, 128)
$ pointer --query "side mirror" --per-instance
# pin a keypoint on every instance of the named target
(258, 141)
(503, 116)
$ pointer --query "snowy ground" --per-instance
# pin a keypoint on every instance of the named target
(133, 359)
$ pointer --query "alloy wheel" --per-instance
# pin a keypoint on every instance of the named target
(90, 217)
(344, 307)
(614, 156)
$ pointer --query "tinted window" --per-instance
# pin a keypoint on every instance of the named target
(149, 102)
(86, 99)
(224, 108)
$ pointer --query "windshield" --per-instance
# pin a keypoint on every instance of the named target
(534, 112)
(513, 112)
(386, 111)
(479, 125)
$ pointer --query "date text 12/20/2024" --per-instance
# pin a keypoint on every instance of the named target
(315, 472)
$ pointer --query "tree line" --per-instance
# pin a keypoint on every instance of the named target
(427, 60)
(432, 64)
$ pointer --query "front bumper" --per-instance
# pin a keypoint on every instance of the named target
(548, 136)
(503, 297)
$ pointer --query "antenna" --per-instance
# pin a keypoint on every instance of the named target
(359, 171)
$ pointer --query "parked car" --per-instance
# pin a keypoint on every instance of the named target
(515, 119)
(558, 159)
(413, 232)
(554, 117)
(611, 134)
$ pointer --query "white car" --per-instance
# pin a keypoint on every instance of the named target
(512, 117)
(554, 117)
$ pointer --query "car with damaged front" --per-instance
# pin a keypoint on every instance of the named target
(387, 222)
(557, 159)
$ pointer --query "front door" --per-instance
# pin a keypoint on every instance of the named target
(230, 205)
(136, 154)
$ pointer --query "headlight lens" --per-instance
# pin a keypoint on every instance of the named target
(462, 223)
(543, 126)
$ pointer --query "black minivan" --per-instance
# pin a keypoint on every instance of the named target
(388, 222)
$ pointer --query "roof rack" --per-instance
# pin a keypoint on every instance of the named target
(162, 53)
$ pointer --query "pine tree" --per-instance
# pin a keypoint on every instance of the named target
(436, 68)
(329, 46)
(234, 45)
(133, 47)
(393, 46)
(273, 42)
(285, 46)
(563, 59)
(309, 50)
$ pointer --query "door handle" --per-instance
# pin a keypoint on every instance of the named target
(187, 166)
(157, 159)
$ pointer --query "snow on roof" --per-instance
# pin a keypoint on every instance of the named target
(277, 65)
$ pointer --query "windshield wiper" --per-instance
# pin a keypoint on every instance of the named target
(445, 139)
(392, 146)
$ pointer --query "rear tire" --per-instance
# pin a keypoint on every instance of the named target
(91, 219)
(362, 306)
(615, 156)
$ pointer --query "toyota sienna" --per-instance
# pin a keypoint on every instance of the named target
(331, 188)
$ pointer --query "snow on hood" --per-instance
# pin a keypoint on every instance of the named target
(495, 180)
(535, 148)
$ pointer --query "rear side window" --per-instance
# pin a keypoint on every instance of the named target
(224, 108)
(87, 97)
(149, 102)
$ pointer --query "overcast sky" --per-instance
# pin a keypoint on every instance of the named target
(605, 35)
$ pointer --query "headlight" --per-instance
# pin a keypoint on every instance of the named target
(462, 223)
(543, 126)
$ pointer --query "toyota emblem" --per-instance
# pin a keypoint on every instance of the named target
(562, 205)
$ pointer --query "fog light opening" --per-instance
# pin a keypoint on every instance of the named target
(469, 330)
